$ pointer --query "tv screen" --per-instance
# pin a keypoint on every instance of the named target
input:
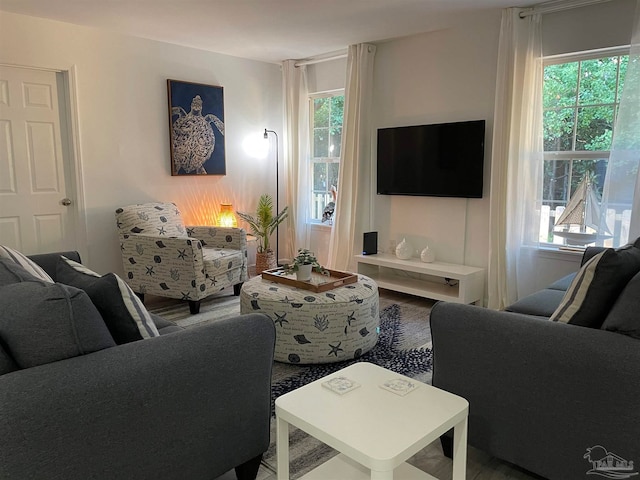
(440, 160)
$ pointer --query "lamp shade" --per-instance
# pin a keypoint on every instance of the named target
(227, 218)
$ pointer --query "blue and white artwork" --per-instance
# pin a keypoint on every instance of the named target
(196, 123)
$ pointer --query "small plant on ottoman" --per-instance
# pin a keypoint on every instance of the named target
(303, 263)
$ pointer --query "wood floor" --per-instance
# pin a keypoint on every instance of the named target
(480, 466)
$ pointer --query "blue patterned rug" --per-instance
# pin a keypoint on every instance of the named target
(388, 353)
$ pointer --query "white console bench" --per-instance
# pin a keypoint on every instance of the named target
(437, 280)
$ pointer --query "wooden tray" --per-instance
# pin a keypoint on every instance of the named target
(318, 283)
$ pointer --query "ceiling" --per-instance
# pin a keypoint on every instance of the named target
(266, 30)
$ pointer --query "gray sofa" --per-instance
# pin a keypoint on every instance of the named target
(544, 395)
(189, 403)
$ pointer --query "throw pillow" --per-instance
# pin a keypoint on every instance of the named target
(623, 317)
(123, 312)
(29, 265)
(46, 322)
(12, 272)
(597, 285)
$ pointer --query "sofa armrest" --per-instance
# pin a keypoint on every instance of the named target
(540, 392)
(191, 404)
(220, 237)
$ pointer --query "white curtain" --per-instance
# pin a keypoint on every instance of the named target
(352, 214)
(621, 195)
(516, 165)
(296, 157)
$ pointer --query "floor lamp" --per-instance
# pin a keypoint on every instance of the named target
(266, 136)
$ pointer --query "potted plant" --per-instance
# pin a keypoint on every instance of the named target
(303, 263)
(263, 224)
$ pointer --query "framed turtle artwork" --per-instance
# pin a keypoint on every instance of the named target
(196, 128)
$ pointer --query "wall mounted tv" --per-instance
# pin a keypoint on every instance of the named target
(440, 160)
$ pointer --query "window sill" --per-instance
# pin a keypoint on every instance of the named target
(319, 226)
(559, 254)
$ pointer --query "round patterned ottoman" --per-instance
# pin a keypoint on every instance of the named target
(332, 326)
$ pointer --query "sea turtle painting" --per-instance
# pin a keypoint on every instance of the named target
(192, 138)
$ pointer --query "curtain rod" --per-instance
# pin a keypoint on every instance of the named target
(558, 6)
(325, 58)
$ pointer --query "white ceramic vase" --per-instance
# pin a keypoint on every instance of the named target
(404, 250)
(304, 272)
(428, 255)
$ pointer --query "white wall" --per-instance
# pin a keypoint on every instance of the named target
(437, 77)
(123, 121)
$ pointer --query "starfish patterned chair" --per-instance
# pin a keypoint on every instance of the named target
(161, 256)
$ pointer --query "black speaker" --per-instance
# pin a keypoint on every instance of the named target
(370, 243)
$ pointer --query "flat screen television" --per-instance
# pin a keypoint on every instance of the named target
(439, 160)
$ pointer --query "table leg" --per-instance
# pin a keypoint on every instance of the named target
(381, 475)
(460, 450)
(282, 449)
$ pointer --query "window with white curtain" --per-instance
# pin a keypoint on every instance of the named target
(581, 96)
(327, 111)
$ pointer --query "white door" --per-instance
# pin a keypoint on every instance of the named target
(36, 211)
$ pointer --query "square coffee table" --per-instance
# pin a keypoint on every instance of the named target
(375, 429)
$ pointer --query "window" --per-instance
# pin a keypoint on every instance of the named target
(326, 135)
(580, 102)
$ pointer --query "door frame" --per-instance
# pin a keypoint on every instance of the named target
(67, 85)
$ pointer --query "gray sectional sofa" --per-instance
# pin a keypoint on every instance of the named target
(187, 404)
(558, 399)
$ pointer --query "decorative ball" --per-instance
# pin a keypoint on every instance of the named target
(428, 255)
(404, 250)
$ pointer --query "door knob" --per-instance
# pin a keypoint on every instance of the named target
(66, 202)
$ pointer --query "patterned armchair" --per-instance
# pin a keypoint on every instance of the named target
(162, 256)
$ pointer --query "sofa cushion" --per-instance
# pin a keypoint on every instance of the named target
(29, 265)
(123, 312)
(12, 272)
(45, 322)
(563, 283)
(542, 303)
(597, 285)
(221, 261)
(624, 316)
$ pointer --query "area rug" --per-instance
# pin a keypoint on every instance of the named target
(403, 347)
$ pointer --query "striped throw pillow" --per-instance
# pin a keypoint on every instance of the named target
(29, 265)
(124, 313)
(597, 285)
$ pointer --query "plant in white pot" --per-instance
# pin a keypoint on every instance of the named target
(263, 224)
(303, 264)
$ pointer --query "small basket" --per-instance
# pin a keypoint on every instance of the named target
(265, 261)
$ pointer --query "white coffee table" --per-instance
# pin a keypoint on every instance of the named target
(374, 429)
